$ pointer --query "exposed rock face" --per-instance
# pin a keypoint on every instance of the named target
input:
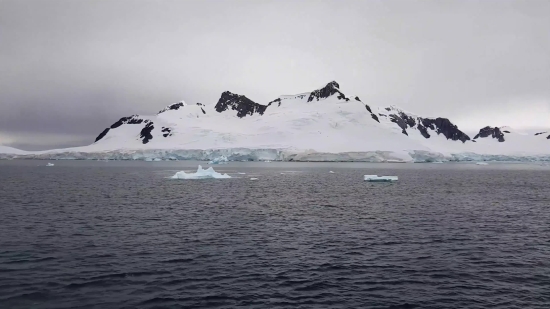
(102, 134)
(325, 92)
(548, 137)
(489, 131)
(179, 105)
(438, 125)
(166, 132)
(366, 106)
(540, 133)
(446, 127)
(134, 119)
(278, 101)
(145, 133)
(243, 105)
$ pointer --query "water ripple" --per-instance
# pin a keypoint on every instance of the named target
(125, 236)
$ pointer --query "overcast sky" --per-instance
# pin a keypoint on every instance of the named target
(68, 69)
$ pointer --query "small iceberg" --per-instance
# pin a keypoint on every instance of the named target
(200, 174)
(253, 178)
(376, 178)
(331, 172)
(50, 164)
(481, 163)
(241, 173)
(219, 160)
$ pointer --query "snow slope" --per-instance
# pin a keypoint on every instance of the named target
(11, 150)
(321, 125)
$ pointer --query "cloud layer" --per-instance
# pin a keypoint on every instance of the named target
(71, 68)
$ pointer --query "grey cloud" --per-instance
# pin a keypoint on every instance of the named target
(74, 67)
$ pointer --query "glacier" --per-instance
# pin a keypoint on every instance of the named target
(248, 154)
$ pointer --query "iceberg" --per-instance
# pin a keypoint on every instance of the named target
(376, 178)
(253, 178)
(50, 164)
(481, 163)
(201, 174)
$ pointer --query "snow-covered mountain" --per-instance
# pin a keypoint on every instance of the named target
(324, 123)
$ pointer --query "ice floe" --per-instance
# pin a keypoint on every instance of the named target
(376, 178)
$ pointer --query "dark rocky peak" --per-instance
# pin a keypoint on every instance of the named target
(325, 92)
(174, 106)
(548, 137)
(243, 105)
(134, 119)
(441, 126)
(492, 132)
(540, 133)
(438, 125)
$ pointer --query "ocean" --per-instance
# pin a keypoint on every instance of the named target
(92, 234)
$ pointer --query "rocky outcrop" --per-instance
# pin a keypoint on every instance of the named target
(243, 105)
(176, 106)
(145, 133)
(276, 101)
(102, 134)
(491, 132)
(166, 132)
(173, 107)
(444, 126)
(134, 119)
(438, 125)
(325, 92)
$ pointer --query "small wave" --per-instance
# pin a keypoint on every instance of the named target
(182, 260)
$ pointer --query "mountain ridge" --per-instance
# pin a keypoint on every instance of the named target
(324, 120)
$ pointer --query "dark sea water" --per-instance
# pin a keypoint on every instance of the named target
(122, 235)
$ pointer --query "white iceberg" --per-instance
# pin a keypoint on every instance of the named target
(331, 172)
(219, 160)
(376, 178)
(481, 163)
(253, 178)
(50, 164)
(200, 174)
